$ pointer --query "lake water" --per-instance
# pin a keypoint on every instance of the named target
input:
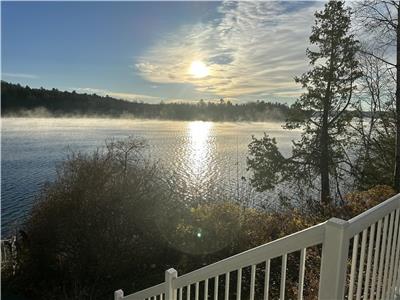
(198, 152)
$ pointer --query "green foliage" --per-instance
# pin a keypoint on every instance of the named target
(373, 165)
(329, 84)
(26, 101)
(266, 162)
(321, 112)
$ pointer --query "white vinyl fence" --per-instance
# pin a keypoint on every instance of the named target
(360, 259)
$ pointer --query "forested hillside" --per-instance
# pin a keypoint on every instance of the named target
(20, 101)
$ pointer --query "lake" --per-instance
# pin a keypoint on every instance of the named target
(199, 153)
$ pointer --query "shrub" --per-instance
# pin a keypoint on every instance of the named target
(94, 228)
(112, 220)
(357, 202)
(212, 232)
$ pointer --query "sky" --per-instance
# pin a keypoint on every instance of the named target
(145, 51)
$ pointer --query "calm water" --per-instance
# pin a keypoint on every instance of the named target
(199, 153)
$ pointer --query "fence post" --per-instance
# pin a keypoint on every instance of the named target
(170, 275)
(118, 295)
(335, 250)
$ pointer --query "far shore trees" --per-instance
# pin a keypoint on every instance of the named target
(322, 111)
(32, 102)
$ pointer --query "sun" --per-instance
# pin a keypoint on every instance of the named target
(198, 69)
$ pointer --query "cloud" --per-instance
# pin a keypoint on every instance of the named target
(118, 95)
(252, 49)
(19, 75)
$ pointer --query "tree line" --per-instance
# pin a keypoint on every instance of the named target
(19, 100)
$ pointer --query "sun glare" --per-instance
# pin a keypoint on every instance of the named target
(198, 69)
(199, 147)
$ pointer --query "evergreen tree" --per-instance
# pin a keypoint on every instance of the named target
(321, 111)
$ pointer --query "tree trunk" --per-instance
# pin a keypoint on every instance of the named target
(324, 154)
(324, 158)
(396, 183)
(324, 144)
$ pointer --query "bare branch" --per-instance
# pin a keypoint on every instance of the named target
(377, 57)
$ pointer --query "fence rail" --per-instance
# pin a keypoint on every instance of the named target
(360, 259)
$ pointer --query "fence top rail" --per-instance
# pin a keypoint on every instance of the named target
(372, 215)
(147, 293)
(290, 243)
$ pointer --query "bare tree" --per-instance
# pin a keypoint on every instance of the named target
(373, 125)
(380, 19)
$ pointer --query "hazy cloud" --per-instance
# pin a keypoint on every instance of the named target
(142, 97)
(19, 75)
(118, 95)
(252, 49)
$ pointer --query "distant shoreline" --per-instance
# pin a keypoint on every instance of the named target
(25, 102)
(127, 117)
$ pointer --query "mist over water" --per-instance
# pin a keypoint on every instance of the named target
(200, 154)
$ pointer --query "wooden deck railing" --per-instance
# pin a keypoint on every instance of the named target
(360, 260)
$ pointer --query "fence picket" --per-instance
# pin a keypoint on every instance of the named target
(387, 256)
(393, 253)
(206, 289)
(361, 266)
(376, 261)
(301, 273)
(216, 288)
(396, 275)
(369, 261)
(227, 278)
(196, 294)
(374, 272)
(382, 258)
(283, 277)
(252, 281)
(353, 266)
(239, 285)
(266, 279)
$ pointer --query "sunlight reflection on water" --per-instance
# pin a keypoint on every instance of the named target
(199, 148)
(201, 154)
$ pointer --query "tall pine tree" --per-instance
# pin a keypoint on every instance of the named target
(321, 111)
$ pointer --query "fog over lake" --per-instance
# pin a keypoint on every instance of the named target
(199, 153)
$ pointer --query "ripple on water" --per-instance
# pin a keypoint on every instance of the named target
(200, 154)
